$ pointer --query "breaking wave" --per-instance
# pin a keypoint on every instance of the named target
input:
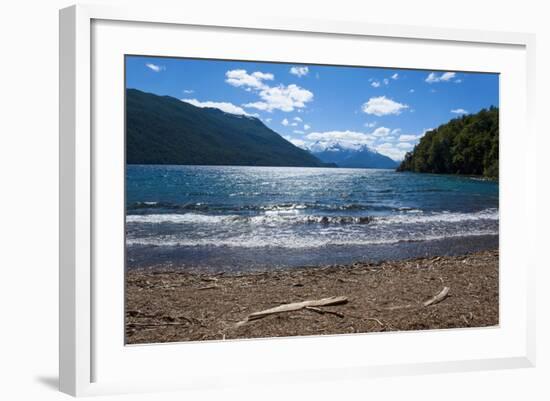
(294, 216)
(294, 242)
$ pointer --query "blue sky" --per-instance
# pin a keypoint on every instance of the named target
(317, 106)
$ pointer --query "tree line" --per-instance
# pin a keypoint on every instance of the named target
(465, 145)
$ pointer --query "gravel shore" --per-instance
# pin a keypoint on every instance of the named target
(172, 306)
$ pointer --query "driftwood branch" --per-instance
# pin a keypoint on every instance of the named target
(374, 320)
(438, 298)
(294, 307)
(322, 311)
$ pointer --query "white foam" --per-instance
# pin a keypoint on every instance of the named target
(443, 217)
(295, 241)
(294, 215)
(179, 218)
(282, 212)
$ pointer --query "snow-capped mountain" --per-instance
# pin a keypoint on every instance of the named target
(355, 157)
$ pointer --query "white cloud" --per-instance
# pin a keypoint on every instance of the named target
(297, 142)
(284, 122)
(445, 77)
(284, 98)
(408, 138)
(268, 120)
(188, 91)
(381, 106)
(294, 124)
(337, 135)
(370, 125)
(297, 119)
(255, 80)
(299, 71)
(381, 139)
(412, 137)
(381, 132)
(345, 139)
(375, 84)
(155, 67)
(395, 76)
(390, 150)
(386, 81)
(297, 131)
(459, 111)
(263, 75)
(223, 106)
(307, 126)
(405, 145)
(411, 90)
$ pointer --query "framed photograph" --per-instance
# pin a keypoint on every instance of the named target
(269, 200)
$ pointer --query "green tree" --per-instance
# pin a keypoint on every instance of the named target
(464, 145)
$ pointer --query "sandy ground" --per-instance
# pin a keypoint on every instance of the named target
(167, 306)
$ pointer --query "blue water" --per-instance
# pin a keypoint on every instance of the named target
(241, 218)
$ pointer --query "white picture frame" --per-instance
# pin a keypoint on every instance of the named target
(82, 343)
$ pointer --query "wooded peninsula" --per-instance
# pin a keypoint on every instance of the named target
(466, 145)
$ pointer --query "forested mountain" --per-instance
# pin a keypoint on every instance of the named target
(465, 145)
(165, 130)
(363, 157)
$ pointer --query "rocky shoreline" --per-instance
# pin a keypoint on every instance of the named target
(173, 306)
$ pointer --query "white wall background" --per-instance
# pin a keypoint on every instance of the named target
(29, 187)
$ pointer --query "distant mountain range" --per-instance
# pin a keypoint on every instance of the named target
(165, 130)
(362, 157)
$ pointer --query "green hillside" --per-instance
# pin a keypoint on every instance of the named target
(165, 130)
(465, 145)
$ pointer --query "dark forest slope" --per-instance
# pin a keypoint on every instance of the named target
(165, 130)
(464, 145)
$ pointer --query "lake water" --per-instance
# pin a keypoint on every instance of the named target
(248, 218)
